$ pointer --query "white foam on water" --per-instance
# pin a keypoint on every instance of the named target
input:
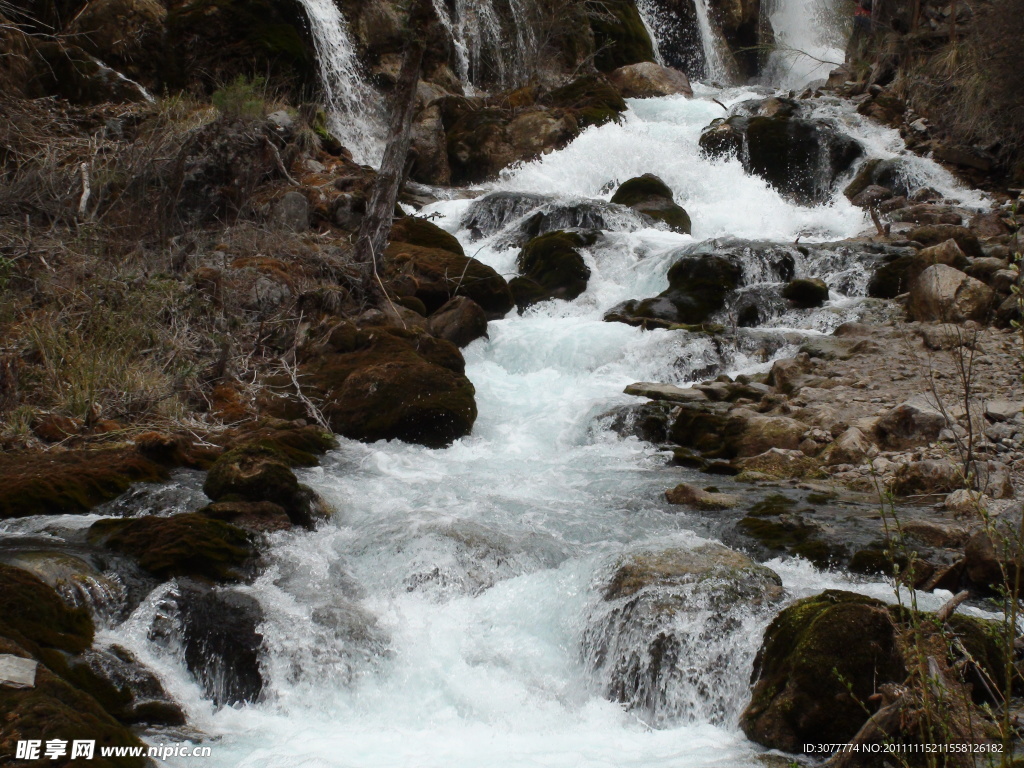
(437, 619)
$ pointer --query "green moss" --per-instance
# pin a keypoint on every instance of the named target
(34, 616)
(773, 505)
(620, 36)
(181, 545)
(419, 231)
(70, 482)
(793, 537)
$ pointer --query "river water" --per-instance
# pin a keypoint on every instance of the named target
(440, 618)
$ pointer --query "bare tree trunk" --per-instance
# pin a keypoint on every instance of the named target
(376, 226)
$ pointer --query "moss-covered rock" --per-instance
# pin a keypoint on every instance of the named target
(252, 472)
(806, 293)
(35, 617)
(250, 515)
(297, 446)
(441, 274)
(69, 482)
(551, 267)
(54, 709)
(382, 383)
(652, 197)
(821, 659)
(591, 99)
(620, 36)
(181, 545)
(416, 230)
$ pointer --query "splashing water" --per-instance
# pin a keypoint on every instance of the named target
(441, 617)
(354, 112)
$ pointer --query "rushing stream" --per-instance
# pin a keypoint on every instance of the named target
(441, 617)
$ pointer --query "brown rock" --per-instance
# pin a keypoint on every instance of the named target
(647, 79)
(688, 495)
(460, 321)
(948, 295)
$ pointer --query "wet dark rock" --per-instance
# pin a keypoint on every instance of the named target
(69, 482)
(806, 293)
(801, 158)
(551, 267)
(181, 545)
(495, 211)
(218, 631)
(652, 197)
(646, 421)
(263, 516)
(698, 286)
(35, 617)
(54, 709)
(441, 273)
(124, 687)
(824, 656)
(884, 174)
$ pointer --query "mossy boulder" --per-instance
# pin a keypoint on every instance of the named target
(54, 709)
(383, 383)
(252, 472)
(69, 482)
(806, 293)
(181, 545)
(620, 36)
(824, 656)
(34, 616)
(250, 515)
(652, 197)
(297, 446)
(821, 659)
(591, 99)
(551, 267)
(442, 274)
(415, 230)
(698, 286)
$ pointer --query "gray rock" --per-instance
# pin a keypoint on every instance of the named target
(1003, 410)
(291, 212)
(912, 423)
(668, 392)
(946, 294)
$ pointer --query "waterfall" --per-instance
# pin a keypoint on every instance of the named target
(494, 46)
(353, 108)
(712, 43)
(810, 40)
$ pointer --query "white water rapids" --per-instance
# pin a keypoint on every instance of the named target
(438, 620)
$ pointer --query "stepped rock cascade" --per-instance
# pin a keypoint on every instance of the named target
(456, 610)
(353, 108)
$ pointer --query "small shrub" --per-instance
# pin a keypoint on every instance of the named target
(242, 98)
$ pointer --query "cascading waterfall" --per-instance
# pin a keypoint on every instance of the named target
(711, 41)
(810, 40)
(492, 47)
(451, 613)
(353, 107)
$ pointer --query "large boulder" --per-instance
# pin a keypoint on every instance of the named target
(800, 157)
(661, 608)
(620, 35)
(698, 286)
(384, 383)
(942, 293)
(34, 616)
(652, 197)
(460, 321)
(910, 424)
(811, 652)
(551, 267)
(897, 275)
(823, 657)
(647, 79)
